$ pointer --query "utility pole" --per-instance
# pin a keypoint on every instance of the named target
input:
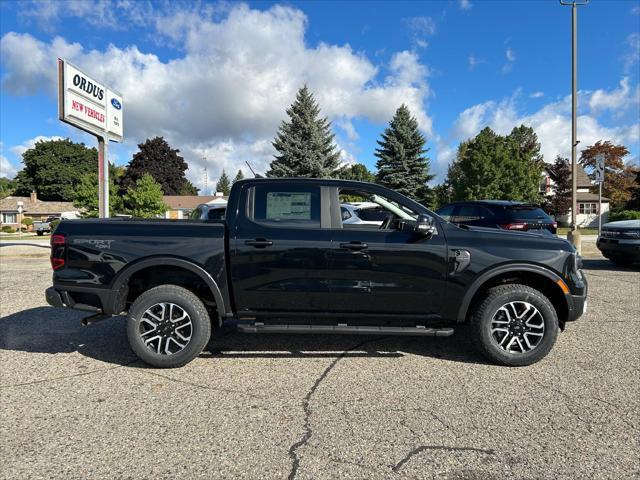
(574, 233)
(205, 180)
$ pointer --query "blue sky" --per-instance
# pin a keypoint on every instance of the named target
(215, 78)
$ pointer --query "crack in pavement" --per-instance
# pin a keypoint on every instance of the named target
(422, 448)
(204, 387)
(35, 382)
(307, 409)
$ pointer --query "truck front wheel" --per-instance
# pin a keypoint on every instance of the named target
(514, 325)
(168, 326)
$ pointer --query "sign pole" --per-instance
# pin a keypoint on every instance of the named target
(103, 178)
(599, 208)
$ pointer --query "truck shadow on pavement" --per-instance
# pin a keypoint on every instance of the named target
(605, 264)
(53, 331)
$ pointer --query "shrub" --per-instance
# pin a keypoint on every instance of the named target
(624, 215)
(54, 224)
(8, 229)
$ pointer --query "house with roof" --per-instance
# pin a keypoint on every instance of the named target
(33, 208)
(181, 206)
(588, 213)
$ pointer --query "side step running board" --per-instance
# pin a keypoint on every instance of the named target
(353, 329)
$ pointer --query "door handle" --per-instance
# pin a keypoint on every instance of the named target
(354, 246)
(259, 243)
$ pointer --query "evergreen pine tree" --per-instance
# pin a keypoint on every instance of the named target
(559, 203)
(305, 143)
(239, 176)
(223, 185)
(402, 164)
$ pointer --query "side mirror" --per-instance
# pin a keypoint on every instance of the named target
(425, 225)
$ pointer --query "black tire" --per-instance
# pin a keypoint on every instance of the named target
(40, 233)
(199, 329)
(494, 299)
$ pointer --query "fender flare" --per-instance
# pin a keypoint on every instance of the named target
(512, 267)
(122, 279)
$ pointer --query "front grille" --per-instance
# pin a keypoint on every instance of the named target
(631, 234)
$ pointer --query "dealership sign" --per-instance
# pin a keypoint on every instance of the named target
(88, 104)
(91, 106)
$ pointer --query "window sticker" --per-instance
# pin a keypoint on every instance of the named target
(283, 206)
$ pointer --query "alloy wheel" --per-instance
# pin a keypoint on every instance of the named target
(166, 328)
(517, 327)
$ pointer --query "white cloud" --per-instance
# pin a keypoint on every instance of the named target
(633, 55)
(420, 28)
(7, 169)
(465, 5)
(537, 95)
(619, 99)
(227, 93)
(474, 61)
(510, 54)
(98, 13)
(18, 150)
(552, 124)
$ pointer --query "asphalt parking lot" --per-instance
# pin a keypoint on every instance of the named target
(75, 403)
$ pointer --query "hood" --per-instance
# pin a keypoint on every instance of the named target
(623, 224)
(539, 236)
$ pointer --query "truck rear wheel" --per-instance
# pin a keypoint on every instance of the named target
(168, 326)
(514, 325)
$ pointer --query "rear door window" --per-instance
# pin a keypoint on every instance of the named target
(286, 205)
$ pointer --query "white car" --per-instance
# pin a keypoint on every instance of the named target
(364, 213)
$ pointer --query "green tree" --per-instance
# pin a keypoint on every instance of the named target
(158, 159)
(559, 203)
(491, 166)
(145, 199)
(357, 171)
(442, 195)
(619, 178)
(86, 196)
(239, 176)
(525, 166)
(53, 168)
(223, 185)
(634, 201)
(402, 164)
(305, 144)
(27, 222)
(6, 187)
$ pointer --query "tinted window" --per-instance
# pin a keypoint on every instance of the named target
(346, 215)
(446, 212)
(467, 213)
(372, 214)
(287, 204)
(216, 214)
(527, 213)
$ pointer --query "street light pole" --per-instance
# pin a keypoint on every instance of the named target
(574, 234)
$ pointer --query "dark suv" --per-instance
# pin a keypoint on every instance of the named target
(504, 214)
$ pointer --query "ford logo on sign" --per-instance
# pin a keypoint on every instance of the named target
(116, 104)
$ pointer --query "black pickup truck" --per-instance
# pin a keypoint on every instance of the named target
(283, 261)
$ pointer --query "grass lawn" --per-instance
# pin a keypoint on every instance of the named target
(25, 236)
(562, 231)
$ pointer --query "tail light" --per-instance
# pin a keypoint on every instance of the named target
(514, 226)
(58, 247)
